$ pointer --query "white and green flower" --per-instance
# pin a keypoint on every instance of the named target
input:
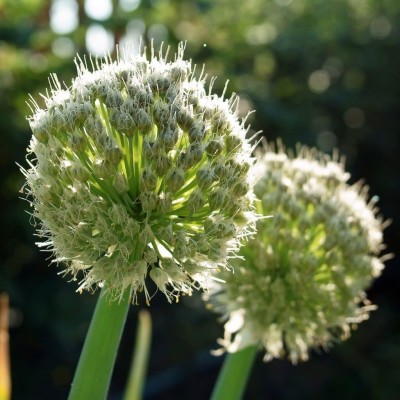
(301, 281)
(137, 171)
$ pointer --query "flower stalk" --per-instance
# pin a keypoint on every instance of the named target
(93, 374)
(233, 377)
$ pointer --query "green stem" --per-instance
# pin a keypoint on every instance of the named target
(234, 374)
(93, 374)
(137, 373)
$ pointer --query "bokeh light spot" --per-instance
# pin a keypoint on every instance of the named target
(264, 64)
(64, 16)
(333, 66)
(283, 2)
(37, 62)
(185, 30)
(158, 33)
(261, 34)
(63, 47)
(129, 5)
(380, 27)
(245, 105)
(326, 141)
(100, 10)
(134, 32)
(319, 81)
(99, 41)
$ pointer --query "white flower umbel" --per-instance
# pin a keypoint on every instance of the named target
(137, 171)
(301, 283)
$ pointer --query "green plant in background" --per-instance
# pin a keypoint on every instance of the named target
(5, 375)
(300, 284)
(137, 172)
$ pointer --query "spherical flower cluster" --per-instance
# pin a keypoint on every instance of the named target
(301, 283)
(137, 171)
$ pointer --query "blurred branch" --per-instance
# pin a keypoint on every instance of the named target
(137, 374)
(5, 378)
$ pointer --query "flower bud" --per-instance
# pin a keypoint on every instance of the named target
(161, 113)
(179, 71)
(232, 143)
(219, 123)
(131, 228)
(113, 99)
(41, 134)
(196, 201)
(148, 180)
(148, 201)
(168, 138)
(167, 233)
(184, 119)
(124, 123)
(218, 250)
(217, 198)
(118, 214)
(161, 279)
(174, 179)
(240, 189)
(164, 202)
(146, 235)
(79, 173)
(147, 149)
(120, 183)
(113, 155)
(193, 155)
(143, 121)
(196, 133)
(220, 170)
(214, 148)
(162, 163)
(205, 176)
(77, 141)
(103, 168)
(150, 256)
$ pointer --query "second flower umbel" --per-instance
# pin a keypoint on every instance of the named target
(301, 283)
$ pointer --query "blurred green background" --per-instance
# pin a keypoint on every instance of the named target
(324, 73)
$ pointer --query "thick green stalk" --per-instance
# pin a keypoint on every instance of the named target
(93, 374)
(137, 374)
(234, 374)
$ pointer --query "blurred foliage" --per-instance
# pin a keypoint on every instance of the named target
(317, 72)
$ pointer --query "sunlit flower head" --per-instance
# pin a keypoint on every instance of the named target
(302, 280)
(138, 172)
